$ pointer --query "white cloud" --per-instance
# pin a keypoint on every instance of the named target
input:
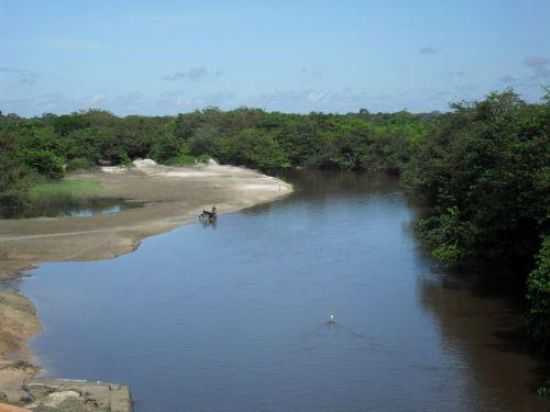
(193, 74)
(428, 51)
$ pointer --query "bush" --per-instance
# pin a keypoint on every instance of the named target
(12, 203)
(446, 235)
(544, 390)
(166, 148)
(204, 158)
(46, 163)
(78, 164)
(538, 296)
(183, 159)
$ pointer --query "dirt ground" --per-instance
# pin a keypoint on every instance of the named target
(18, 322)
(172, 195)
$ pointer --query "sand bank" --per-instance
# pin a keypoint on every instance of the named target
(172, 196)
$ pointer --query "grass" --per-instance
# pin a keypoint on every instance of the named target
(50, 198)
(64, 189)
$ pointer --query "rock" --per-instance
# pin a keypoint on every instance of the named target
(142, 163)
(78, 396)
(55, 399)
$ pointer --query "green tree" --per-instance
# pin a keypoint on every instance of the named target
(46, 163)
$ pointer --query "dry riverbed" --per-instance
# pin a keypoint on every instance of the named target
(172, 196)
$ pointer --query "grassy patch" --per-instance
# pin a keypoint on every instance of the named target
(49, 198)
(64, 189)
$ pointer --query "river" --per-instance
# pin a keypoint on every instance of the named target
(234, 317)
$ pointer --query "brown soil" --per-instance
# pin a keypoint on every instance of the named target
(18, 322)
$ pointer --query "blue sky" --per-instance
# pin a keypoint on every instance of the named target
(165, 57)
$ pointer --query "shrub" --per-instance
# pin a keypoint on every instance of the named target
(78, 164)
(446, 235)
(46, 163)
(183, 159)
(538, 296)
(12, 203)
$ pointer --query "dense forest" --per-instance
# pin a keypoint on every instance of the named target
(482, 169)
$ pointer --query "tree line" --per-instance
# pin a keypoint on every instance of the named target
(482, 169)
(46, 147)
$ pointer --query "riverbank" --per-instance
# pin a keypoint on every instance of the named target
(18, 323)
(172, 196)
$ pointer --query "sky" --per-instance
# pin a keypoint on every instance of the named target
(166, 57)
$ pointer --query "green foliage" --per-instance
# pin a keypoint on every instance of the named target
(63, 125)
(78, 163)
(85, 144)
(48, 198)
(538, 295)
(250, 137)
(14, 174)
(167, 147)
(182, 159)
(45, 162)
(253, 149)
(446, 236)
(124, 159)
(12, 202)
(489, 161)
(66, 187)
(544, 390)
(483, 171)
(203, 140)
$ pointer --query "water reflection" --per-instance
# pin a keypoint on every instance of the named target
(487, 334)
(72, 207)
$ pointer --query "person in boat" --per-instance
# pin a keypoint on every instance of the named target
(209, 215)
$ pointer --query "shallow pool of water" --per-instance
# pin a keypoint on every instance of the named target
(72, 208)
(233, 317)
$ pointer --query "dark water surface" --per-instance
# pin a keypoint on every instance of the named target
(234, 317)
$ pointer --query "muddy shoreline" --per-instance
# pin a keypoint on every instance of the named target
(173, 196)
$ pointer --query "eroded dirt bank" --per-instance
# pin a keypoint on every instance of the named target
(18, 322)
(172, 196)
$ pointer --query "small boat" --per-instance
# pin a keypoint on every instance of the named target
(208, 216)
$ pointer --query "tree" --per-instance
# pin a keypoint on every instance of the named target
(65, 124)
(46, 163)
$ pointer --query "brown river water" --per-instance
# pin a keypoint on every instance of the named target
(234, 317)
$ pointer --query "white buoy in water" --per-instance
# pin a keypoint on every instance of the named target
(331, 319)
